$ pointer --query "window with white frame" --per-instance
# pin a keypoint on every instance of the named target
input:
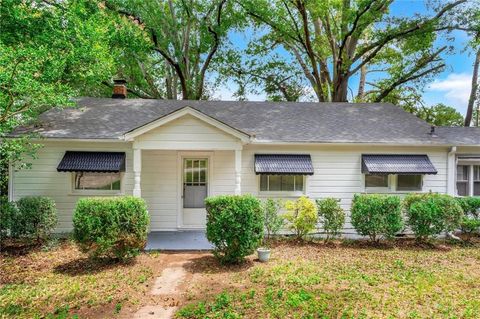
(282, 183)
(463, 180)
(468, 180)
(399, 183)
(97, 181)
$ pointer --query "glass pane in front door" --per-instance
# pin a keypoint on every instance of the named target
(195, 182)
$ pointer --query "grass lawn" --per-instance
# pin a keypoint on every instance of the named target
(61, 281)
(349, 280)
(314, 281)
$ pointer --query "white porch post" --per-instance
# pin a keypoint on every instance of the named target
(451, 171)
(137, 172)
(238, 172)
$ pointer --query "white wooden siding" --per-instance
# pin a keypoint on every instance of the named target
(187, 133)
(161, 183)
(44, 180)
(337, 170)
(337, 174)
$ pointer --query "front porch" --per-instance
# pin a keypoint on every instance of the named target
(178, 240)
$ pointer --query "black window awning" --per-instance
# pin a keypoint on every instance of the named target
(101, 162)
(283, 164)
(384, 164)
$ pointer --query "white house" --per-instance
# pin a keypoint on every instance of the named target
(175, 153)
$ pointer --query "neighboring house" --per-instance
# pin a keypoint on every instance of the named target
(175, 153)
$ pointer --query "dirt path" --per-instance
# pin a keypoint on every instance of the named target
(181, 278)
(166, 293)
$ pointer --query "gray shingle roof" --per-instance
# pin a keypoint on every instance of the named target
(105, 118)
(383, 164)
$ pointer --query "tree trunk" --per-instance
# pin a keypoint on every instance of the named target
(474, 90)
(361, 84)
(340, 89)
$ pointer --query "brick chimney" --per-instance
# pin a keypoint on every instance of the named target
(119, 89)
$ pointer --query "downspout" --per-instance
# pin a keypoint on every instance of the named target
(10, 182)
(451, 169)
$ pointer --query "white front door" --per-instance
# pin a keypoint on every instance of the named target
(195, 173)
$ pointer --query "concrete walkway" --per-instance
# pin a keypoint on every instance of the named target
(178, 240)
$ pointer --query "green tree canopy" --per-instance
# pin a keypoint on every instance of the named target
(332, 41)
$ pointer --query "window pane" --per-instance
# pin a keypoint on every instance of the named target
(462, 173)
(476, 189)
(376, 180)
(188, 172)
(275, 183)
(476, 173)
(409, 182)
(462, 188)
(97, 181)
(288, 182)
(299, 183)
(263, 183)
(203, 171)
(196, 172)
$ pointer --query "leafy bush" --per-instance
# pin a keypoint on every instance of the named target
(111, 227)
(430, 214)
(234, 226)
(470, 226)
(331, 215)
(8, 211)
(302, 216)
(376, 216)
(273, 221)
(36, 218)
(470, 205)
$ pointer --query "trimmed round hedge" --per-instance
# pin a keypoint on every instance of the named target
(114, 227)
(234, 226)
(376, 215)
(430, 214)
(35, 218)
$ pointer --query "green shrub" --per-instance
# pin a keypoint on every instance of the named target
(111, 227)
(234, 226)
(302, 216)
(470, 205)
(8, 211)
(376, 216)
(431, 214)
(36, 218)
(273, 221)
(331, 216)
(470, 226)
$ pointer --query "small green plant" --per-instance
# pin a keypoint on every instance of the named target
(273, 221)
(111, 227)
(470, 223)
(235, 226)
(470, 205)
(331, 216)
(36, 218)
(430, 214)
(376, 216)
(470, 226)
(302, 216)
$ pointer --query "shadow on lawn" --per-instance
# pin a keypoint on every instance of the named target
(88, 266)
(11, 248)
(209, 264)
